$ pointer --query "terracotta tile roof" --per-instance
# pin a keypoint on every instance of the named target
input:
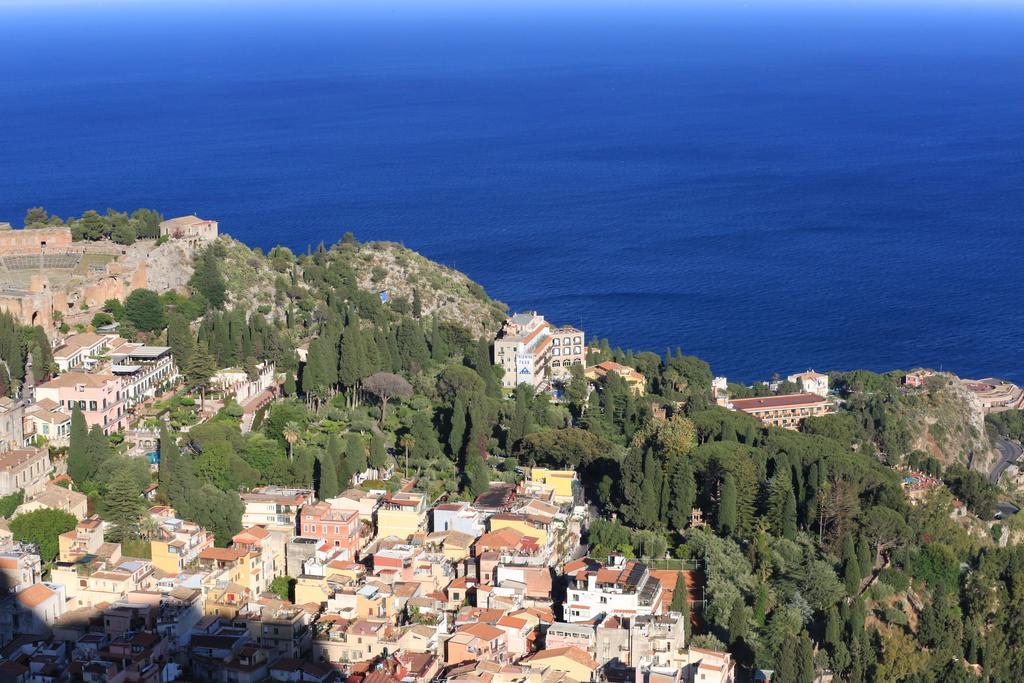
(783, 401)
(482, 631)
(35, 595)
(574, 653)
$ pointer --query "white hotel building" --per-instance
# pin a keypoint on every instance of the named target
(532, 351)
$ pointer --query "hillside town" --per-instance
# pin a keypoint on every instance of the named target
(372, 573)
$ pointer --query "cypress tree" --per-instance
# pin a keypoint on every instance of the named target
(522, 417)
(78, 448)
(650, 491)
(289, 383)
(681, 604)
(682, 492)
(97, 451)
(457, 429)
(865, 557)
(438, 347)
(851, 567)
(175, 476)
(378, 453)
(789, 517)
(417, 304)
(179, 338)
(804, 659)
(482, 364)
(327, 470)
(787, 669)
(476, 476)
(726, 520)
(737, 621)
(351, 365)
(833, 629)
(355, 454)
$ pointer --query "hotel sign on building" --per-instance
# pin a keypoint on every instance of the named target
(532, 351)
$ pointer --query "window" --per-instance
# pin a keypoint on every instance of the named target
(81, 405)
(556, 341)
(92, 405)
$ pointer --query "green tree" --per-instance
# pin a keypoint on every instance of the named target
(122, 507)
(36, 217)
(737, 621)
(681, 604)
(78, 447)
(199, 371)
(207, 279)
(10, 503)
(789, 516)
(379, 459)
(851, 567)
(41, 528)
(283, 587)
(457, 429)
(725, 521)
(179, 338)
(355, 454)
(328, 483)
(144, 310)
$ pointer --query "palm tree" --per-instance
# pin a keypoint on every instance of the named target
(290, 433)
(406, 441)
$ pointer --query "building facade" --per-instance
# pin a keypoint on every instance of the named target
(787, 410)
(532, 351)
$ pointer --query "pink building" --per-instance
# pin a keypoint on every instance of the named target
(340, 528)
(99, 396)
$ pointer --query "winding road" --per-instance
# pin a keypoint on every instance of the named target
(1008, 453)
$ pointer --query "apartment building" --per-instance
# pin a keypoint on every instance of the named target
(85, 539)
(275, 507)
(99, 397)
(12, 424)
(787, 410)
(532, 351)
(560, 486)
(56, 497)
(351, 640)
(401, 514)
(25, 470)
(20, 566)
(476, 642)
(177, 543)
(461, 516)
(46, 419)
(619, 588)
(338, 528)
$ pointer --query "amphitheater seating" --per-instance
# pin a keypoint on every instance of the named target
(58, 261)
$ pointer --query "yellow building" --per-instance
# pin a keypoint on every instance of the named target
(527, 526)
(576, 664)
(177, 544)
(561, 483)
(401, 514)
(636, 381)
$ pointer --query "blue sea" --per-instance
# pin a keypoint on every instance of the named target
(770, 186)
